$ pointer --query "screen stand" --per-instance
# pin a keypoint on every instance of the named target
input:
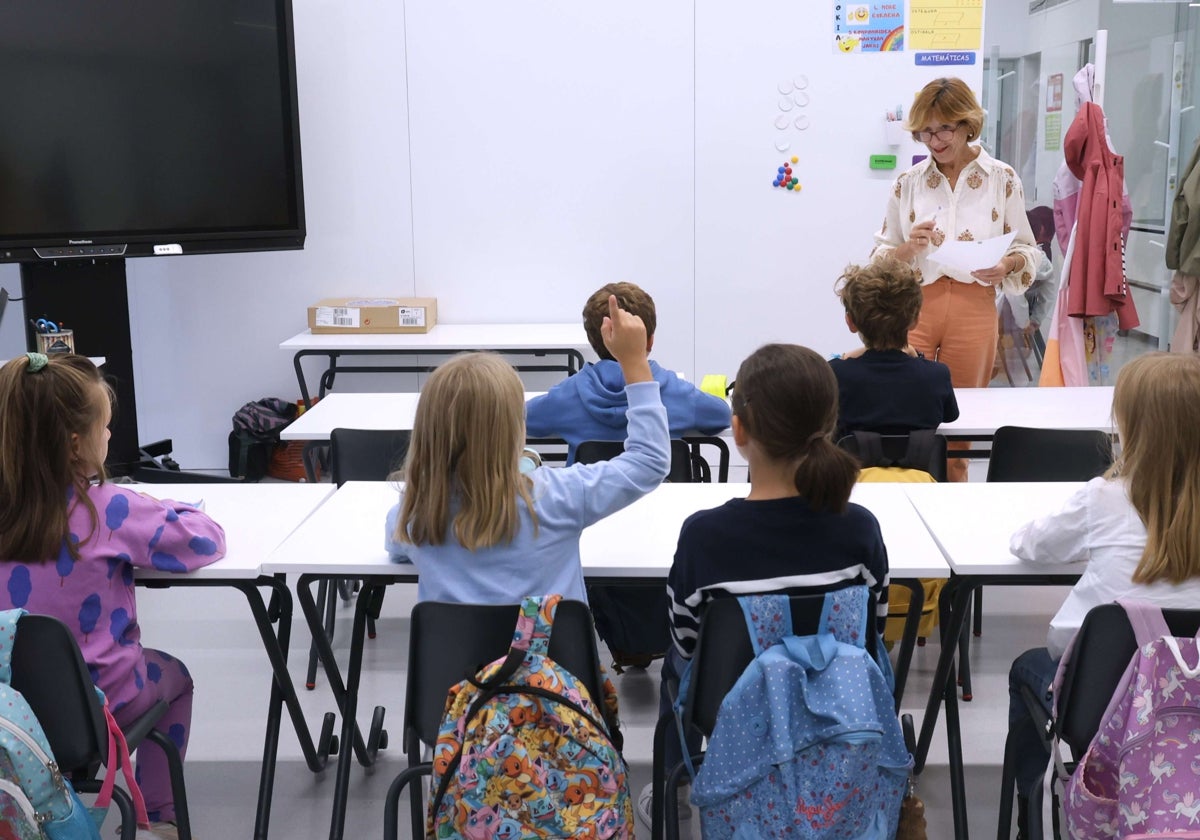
(90, 298)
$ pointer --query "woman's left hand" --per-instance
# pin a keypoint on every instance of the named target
(995, 275)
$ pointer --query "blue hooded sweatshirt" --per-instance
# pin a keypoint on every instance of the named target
(591, 406)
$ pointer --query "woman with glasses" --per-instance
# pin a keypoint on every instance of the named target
(959, 191)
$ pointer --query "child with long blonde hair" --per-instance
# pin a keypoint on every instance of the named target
(477, 528)
(69, 547)
(1138, 526)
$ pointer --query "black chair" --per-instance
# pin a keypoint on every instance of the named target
(48, 669)
(355, 455)
(1100, 655)
(723, 651)
(920, 450)
(1020, 453)
(1024, 454)
(687, 467)
(449, 642)
(632, 619)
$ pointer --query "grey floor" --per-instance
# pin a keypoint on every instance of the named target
(211, 630)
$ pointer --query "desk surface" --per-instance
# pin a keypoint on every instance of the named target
(983, 410)
(345, 536)
(972, 522)
(256, 519)
(452, 338)
(359, 411)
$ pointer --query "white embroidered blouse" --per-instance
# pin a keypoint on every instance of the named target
(986, 201)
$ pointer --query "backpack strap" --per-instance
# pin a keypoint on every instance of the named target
(870, 449)
(1147, 621)
(844, 615)
(118, 755)
(919, 453)
(768, 618)
(8, 635)
(535, 623)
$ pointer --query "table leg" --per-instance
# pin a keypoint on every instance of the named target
(912, 622)
(313, 616)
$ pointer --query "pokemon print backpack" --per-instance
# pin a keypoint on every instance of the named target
(807, 743)
(1140, 775)
(524, 752)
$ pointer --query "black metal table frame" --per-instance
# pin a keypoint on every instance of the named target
(572, 363)
(283, 691)
(368, 605)
(953, 611)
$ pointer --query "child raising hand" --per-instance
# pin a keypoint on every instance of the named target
(478, 529)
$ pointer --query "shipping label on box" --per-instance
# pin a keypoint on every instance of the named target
(373, 315)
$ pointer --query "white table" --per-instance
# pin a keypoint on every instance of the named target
(983, 410)
(345, 538)
(394, 411)
(971, 524)
(568, 341)
(256, 519)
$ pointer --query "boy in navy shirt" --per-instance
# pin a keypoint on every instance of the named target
(888, 387)
(591, 404)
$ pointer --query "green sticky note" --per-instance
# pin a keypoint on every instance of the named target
(883, 161)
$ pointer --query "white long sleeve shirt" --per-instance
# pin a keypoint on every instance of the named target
(1097, 524)
(987, 200)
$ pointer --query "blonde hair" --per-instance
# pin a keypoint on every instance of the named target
(43, 412)
(1156, 407)
(883, 299)
(465, 452)
(950, 99)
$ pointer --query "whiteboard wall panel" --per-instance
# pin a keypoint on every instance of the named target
(552, 152)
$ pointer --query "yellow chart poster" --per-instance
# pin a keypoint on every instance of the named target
(945, 24)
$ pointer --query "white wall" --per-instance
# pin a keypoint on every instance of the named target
(509, 159)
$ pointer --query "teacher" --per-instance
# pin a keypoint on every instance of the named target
(958, 191)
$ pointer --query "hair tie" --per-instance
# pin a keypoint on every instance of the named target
(37, 361)
(813, 438)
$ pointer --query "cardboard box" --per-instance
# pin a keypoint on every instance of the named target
(372, 315)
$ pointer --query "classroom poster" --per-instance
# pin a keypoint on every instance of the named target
(1053, 132)
(945, 24)
(1054, 91)
(868, 27)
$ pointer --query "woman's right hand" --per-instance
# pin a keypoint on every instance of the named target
(919, 239)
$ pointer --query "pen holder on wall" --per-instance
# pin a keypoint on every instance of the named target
(62, 341)
(893, 132)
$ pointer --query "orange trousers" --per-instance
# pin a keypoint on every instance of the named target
(958, 327)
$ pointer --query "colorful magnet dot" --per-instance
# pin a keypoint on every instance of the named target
(795, 159)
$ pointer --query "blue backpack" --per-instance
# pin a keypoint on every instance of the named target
(36, 801)
(807, 743)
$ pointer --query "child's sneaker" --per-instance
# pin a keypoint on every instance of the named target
(645, 805)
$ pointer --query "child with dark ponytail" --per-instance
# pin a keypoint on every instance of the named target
(796, 532)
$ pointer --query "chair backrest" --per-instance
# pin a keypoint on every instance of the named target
(449, 642)
(1024, 454)
(684, 469)
(366, 454)
(1100, 655)
(48, 669)
(895, 450)
(724, 650)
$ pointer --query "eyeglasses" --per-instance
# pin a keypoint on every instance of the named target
(944, 133)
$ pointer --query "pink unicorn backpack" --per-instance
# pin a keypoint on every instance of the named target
(1140, 775)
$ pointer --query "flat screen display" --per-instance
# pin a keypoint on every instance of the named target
(143, 123)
